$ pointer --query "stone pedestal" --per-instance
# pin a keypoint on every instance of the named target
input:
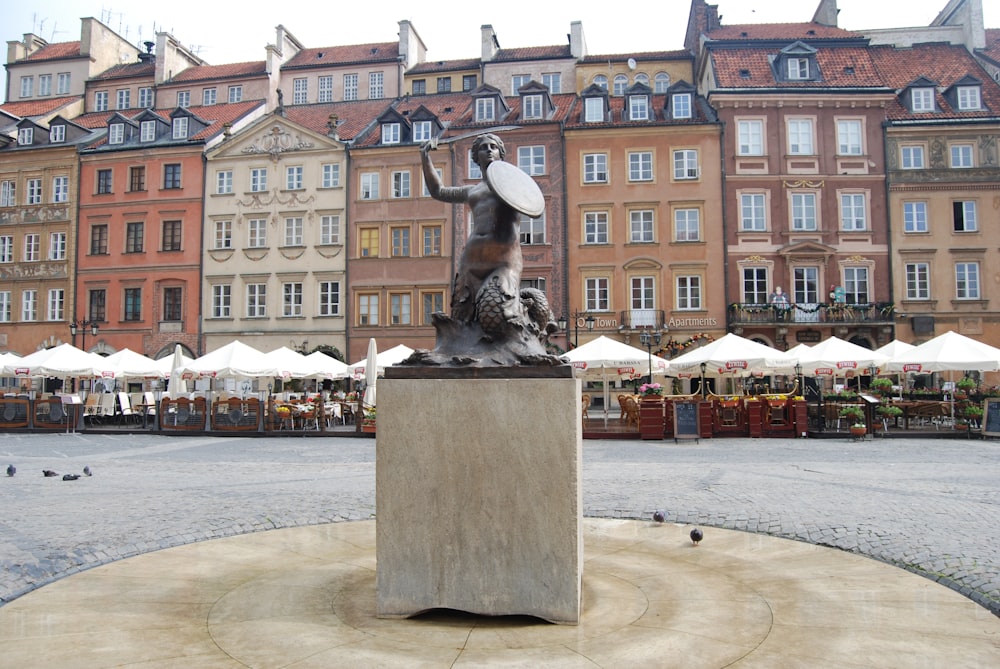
(478, 498)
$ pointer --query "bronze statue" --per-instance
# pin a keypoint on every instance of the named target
(493, 321)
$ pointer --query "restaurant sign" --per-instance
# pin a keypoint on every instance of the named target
(847, 364)
(912, 367)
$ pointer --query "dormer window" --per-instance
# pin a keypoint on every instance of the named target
(969, 98)
(798, 68)
(390, 133)
(422, 131)
(57, 134)
(594, 110)
(796, 62)
(25, 136)
(922, 100)
(116, 133)
(485, 109)
(638, 108)
(680, 104)
(532, 106)
(180, 127)
(147, 131)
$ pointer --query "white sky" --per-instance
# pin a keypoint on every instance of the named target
(224, 32)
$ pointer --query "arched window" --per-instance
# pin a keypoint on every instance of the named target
(661, 82)
(621, 83)
(642, 78)
(602, 81)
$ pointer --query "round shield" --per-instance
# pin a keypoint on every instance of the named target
(515, 188)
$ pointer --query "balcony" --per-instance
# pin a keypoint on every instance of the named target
(872, 313)
(643, 319)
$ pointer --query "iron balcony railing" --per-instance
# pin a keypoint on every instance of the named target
(871, 313)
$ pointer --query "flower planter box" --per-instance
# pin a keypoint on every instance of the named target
(367, 428)
(651, 418)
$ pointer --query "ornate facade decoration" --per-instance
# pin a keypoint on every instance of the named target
(279, 141)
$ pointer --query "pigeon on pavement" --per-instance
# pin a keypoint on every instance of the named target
(70, 477)
(11, 470)
(659, 516)
(86, 471)
(697, 535)
(49, 472)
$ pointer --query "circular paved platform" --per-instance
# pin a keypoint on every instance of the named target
(305, 597)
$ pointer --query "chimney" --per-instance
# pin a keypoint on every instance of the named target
(490, 44)
(147, 57)
(577, 42)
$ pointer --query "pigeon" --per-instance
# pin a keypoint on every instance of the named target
(49, 472)
(697, 535)
(659, 516)
(70, 477)
(87, 472)
(11, 470)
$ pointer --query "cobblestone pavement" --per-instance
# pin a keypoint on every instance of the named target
(930, 506)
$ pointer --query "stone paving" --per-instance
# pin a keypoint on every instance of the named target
(929, 506)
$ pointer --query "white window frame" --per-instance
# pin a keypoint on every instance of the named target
(853, 212)
(422, 131)
(223, 234)
(850, 137)
(857, 285)
(146, 99)
(324, 88)
(209, 96)
(291, 299)
(531, 107)
(57, 246)
(485, 109)
(350, 86)
(593, 110)
(797, 69)
(800, 137)
(750, 137)
(532, 230)
(595, 168)
(179, 127)
(597, 293)
(596, 227)
(329, 229)
(294, 175)
(300, 91)
(116, 133)
(25, 136)
(294, 231)
(390, 133)
(531, 159)
(330, 175)
(63, 80)
(60, 189)
(967, 281)
(921, 100)
(638, 107)
(804, 211)
(256, 304)
(553, 80)
(29, 305)
(6, 249)
(32, 247)
(754, 285)
(257, 233)
(147, 131)
(641, 226)
(915, 217)
(400, 184)
(376, 85)
(258, 179)
(328, 298)
(369, 184)
(57, 133)
(183, 99)
(222, 300)
(101, 101)
(640, 166)
(688, 292)
(961, 156)
(8, 193)
(911, 157)
(56, 305)
(27, 86)
(620, 83)
(44, 85)
(224, 182)
(680, 105)
(687, 224)
(753, 212)
(235, 94)
(686, 164)
(917, 276)
(123, 98)
(32, 191)
(969, 98)
(6, 306)
(969, 213)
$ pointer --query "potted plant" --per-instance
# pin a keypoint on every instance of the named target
(963, 387)
(856, 419)
(651, 390)
(881, 386)
(368, 421)
(889, 411)
(974, 413)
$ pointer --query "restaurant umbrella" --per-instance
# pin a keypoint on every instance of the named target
(371, 373)
(178, 386)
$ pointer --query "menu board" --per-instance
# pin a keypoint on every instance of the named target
(991, 417)
(685, 420)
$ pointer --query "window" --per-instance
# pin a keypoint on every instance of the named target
(5, 306)
(485, 109)
(422, 131)
(554, 82)
(137, 178)
(368, 309)
(401, 184)
(849, 137)
(133, 304)
(754, 285)
(291, 299)
(961, 156)
(329, 298)
(750, 140)
(103, 181)
(324, 88)
(293, 231)
(368, 238)
(856, 285)
(686, 164)
(146, 97)
(123, 98)
(8, 191)
(116, 133)
(433, 303)
(918, 281)
(29, 305)
(419, 86)
(62, 83)
(293, 177)
(147, 131)
(964, 215)
(101, 101)
(688, 293)
(97, 305)
(596, 294)
(595, 227)
(236, 94)
(331, 175)
(595, 168)
(922, 99)
(300, 91)
(56, 305)
(27, 87)
(914, 217)
(803, 211)
(6, 248)
(620, 84)
(681, 105)
(222, 300)
(532, 230)
(98, 240)
(60, 189)
(399, 309)
(172, 304)
(967, 281)
(224, 182)
(257, 233)
(180, 127)
(172, 176)
(593, 110)
(518, 80)
(32, 247)
(468, 82)
(444, 84)
(256, 300)
(390, 133)
(25, 136)
(45, 84)
(853, 212)
(798, 68)
(475, 172)
(183, 99)
(258, 179)
(531, 159)
(661, 82)
(638, 108)
(641, 226)
(400, 239)
(57, 246)
(135, 234)
(33, 191)
(329, 229)
(171, 236)
(376, 85)
(968, 98)
(350, 87)
(687, 225)
(640, 166)
(601, 81)
(805, 285)
(431, 240)
(57, 133)
(532, 106)
(223, 234)
(800, 137)
(209, 96)
(369, 185)
(912, 157)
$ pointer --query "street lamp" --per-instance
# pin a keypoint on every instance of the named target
(704, 366)
(589, 322)
(798, 379)
(82, 327)
(649, 340)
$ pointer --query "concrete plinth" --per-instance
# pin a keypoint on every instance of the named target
(478, 497)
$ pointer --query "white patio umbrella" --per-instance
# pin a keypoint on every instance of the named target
(234, 360)
(387, 358)
(894, 348)
(834, 356)
(63, 361)
(371, 373)
(732, 352)
(324, 366)
(126, 363)
(949, 352)
(178, 360)
(291, 364)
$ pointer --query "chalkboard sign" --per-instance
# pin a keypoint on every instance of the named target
(685, 420)
(991, 417)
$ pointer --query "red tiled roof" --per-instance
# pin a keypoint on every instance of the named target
(641, 57)
(57, 51)
(772, 31)
(214, 115)
(533, 53)
(330, 56)
(944, 64)
(93, 120)
(227, 71)
(992, 49)
(448, 107)
(840, 67)
(127, 71)
(353, 116)
(446, 66)
(657, 104)
(29, 108)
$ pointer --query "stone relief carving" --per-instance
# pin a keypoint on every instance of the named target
(279, 141)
